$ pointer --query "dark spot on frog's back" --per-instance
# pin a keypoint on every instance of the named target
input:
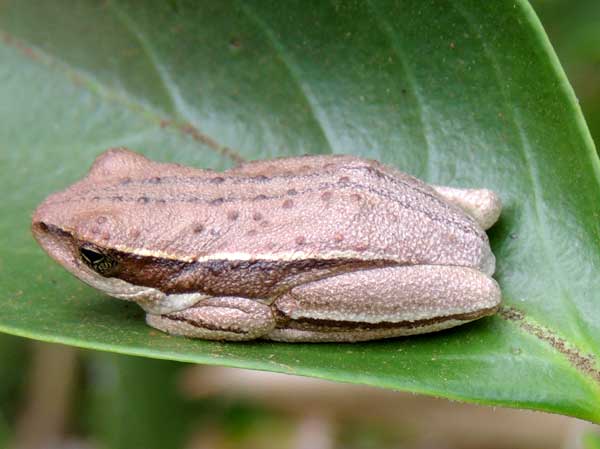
(361, 247)
(326, 196)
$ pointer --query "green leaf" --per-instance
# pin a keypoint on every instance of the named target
(464, 93)
(4, 431)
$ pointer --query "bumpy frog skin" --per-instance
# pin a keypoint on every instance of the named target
(313, 248)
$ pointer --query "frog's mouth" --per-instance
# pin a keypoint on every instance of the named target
(63, 248)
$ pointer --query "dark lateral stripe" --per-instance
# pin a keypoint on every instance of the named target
(203, 325)
(240, 179)
(257, 278)
(334, 325)
(54, 230)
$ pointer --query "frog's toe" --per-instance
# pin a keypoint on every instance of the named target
(482, 204)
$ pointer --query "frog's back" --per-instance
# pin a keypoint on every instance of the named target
(347, 207)
(335, 210)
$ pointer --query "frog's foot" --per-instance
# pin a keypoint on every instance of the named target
(481, 204)
(383, 303)
(218, 318)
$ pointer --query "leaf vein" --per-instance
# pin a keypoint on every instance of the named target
(79, 78)
(587, 364)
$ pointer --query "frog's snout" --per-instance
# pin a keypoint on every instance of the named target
(56, 242)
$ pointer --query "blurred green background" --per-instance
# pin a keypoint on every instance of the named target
(57, 397)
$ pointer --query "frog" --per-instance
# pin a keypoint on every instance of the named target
(314, 248)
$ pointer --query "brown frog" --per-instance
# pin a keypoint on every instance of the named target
(313, 248)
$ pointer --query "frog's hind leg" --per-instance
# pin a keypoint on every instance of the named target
(384, 302)
(481, 204)
(218, 318)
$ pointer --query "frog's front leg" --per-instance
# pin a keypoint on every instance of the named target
(384, 302)
(217, 318)
(481, 204)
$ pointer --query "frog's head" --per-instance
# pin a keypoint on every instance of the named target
(83, 235)
(75, 239)
(79, 239)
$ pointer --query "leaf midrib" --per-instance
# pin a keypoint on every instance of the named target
(81, 79)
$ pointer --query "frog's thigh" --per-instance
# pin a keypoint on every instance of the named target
(384, 302)
(218, 318)
(482, 204)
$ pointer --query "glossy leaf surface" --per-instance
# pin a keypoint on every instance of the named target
(462, 93)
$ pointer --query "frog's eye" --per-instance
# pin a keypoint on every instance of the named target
(97, 261)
